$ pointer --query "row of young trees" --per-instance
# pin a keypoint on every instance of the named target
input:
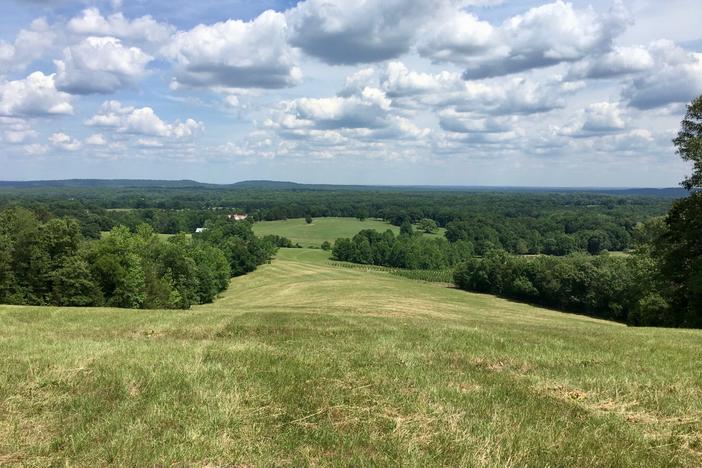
(50, 262)
(408, 250)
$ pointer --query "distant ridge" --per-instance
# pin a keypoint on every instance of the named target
(103, 183)
(266, 184)
(668, 192)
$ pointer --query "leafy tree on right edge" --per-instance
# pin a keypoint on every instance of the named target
(680, 248)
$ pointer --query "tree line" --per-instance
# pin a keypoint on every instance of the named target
(521, 223)
(409, 249)
(613, 288)
(51, 263)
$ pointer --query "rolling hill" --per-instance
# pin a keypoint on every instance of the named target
(305, 363)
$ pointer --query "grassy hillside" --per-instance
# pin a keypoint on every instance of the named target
(322, 229)
(304, 363)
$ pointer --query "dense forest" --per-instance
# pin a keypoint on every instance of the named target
(50, 262)
(521, 223)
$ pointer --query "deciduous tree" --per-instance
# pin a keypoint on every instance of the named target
(688, 143)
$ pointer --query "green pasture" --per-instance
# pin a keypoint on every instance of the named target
(307, 363)
(323, 229)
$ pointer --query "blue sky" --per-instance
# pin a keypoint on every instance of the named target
(455, 92)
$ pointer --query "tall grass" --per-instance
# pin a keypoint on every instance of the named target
(302, 363)
(430, 276)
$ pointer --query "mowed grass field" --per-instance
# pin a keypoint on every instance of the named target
(323, 229)
(303, 363)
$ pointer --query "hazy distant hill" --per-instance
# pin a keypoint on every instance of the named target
(268, 184)
(669, 192)
(103, 183)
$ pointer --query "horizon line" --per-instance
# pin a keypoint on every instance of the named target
(584, 187)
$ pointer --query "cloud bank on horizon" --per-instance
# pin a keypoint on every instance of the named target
(376, 91)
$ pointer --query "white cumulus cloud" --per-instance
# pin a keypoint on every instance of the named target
(62, 141)
(96, 139)
(144, 29)
(342, 122)
(235, 54)
(348, 32)
(16, 130)
(500, 96)
(675, 78)
(619, 61)
(599, 118)
(543, 36)
(142, 121)
(34, 95)
(100, 65)
(36, 149)
(29, 45)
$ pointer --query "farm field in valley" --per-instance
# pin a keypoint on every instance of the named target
(303, 362)
(323, 229)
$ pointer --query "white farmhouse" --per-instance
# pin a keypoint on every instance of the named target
(237, 216)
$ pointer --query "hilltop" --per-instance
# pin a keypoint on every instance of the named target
(304, 362)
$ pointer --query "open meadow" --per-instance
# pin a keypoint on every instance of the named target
(303, 362)
(335, 233)
(323, 229)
